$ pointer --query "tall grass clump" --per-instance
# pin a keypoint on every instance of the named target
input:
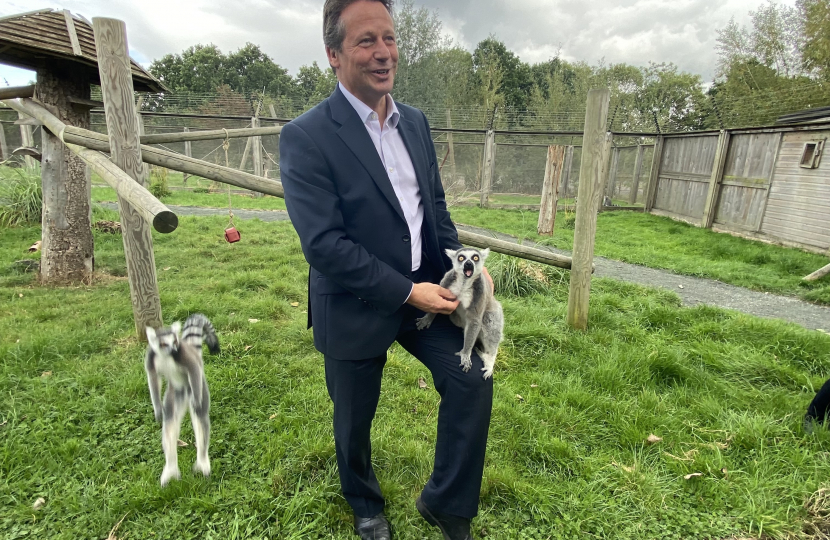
(516, 277)
(21, 197)
(158, 183)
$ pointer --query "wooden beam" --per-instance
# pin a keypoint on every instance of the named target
(26, 141)
(73, 35)
(86, 103)
(207, 135)
(606, 169)
(245, 153)
(714, 182)
(612, 173)
(149, 154)
(638, 169)
(256, 146)
(550, 190)
(818, 274)
(566, 170)
(117, 89)
(654, 175)
(594, 156)
(273, 110)
(451, 157)
(514, 250)
(488, 167)
(13, 92)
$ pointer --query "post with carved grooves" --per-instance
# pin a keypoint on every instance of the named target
(125, 152)
(595, 148)
(550, 190)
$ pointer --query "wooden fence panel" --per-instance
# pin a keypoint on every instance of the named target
(683, 181)
(747, 176)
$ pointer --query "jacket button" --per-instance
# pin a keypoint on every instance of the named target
(406, 238)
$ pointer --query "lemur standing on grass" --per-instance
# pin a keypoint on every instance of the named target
(175, 353)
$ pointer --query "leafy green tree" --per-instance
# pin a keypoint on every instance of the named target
(251, 70)
(200, 68)
(815, 16)
(493, 61)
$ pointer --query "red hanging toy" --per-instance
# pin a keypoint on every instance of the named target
(231, 234)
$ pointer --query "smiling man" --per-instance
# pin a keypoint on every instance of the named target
(363, 191)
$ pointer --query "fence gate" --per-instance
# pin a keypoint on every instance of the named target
(685, 172)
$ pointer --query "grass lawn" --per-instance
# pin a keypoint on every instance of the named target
(659, 242)
(567, 456)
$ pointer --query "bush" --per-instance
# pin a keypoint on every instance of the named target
(158, 183)
(21, 197)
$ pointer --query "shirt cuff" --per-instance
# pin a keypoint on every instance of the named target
(410, 294)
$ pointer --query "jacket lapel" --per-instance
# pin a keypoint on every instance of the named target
(354, 135)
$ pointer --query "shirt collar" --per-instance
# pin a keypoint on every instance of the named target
(365, 112)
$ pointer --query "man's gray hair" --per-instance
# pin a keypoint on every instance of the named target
(334, 30)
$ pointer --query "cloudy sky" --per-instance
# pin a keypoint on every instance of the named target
(631, 31)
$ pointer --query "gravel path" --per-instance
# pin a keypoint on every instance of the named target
(692, 290)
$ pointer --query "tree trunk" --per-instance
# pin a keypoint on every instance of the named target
(67, 245)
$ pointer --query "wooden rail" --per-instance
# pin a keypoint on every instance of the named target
(17, 92)
(207, 135)
(150, 208)
(515, 250)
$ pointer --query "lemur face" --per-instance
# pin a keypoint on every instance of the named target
(164, 341)
(468, 261)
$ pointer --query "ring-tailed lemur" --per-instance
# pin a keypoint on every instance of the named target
(175, 353)
(478, 311)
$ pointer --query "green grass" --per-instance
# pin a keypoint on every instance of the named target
(567, 460)
(659, 242)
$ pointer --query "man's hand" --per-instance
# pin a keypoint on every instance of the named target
(432, 298)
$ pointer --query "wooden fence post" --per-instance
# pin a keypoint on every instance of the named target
(606, 169)
(123, 131)
(246, 152)
(654, 176)
(635, 179)
(566, 170)
(550, 189)
(26, 141)
(594, 156)
(488, 167)
(612, 174)
(188, 151)
(715, 180)
(451, 157)
(145, 168)
(4, 148)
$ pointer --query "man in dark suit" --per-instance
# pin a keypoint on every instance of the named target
(364, 194)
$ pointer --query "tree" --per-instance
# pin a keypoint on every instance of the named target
(419, 39)
(200, 68)
(815, 17)
(491, 57)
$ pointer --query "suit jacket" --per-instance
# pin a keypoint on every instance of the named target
(352, 228)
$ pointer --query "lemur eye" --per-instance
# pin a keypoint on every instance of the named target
(461, 258)
(475, 258)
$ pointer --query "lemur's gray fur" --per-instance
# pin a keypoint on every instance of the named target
(478, 311)
(175, 354)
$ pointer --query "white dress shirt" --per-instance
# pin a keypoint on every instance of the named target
(398, 165)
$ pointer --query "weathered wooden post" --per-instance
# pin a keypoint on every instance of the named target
(715, 180)
(26, 141)
(606, 169)
(256, 145)
(67, 246)
(654, 176)
(125, 151)
(188, 151)
(612, 174)
(595, 149)
(488, 167)
(635, 179)
(454, 183)
(566, 170)
(4, 148)
(550, 190)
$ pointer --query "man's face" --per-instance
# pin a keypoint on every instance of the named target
(368, 60)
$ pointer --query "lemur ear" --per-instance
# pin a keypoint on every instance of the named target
(176, 327)
(152, 339)
(451, 253)
(484, 254)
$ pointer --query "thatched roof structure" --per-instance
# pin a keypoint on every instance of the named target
(47, 38)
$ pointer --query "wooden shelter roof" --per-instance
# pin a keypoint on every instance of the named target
(36, 38)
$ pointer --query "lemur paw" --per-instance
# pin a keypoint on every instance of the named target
(466, 361)
(171, 473)
(423, 322)
(488, 372)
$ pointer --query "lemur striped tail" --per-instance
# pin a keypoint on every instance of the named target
(198, 328)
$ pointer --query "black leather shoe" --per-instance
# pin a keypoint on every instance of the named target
(373, 528)
(452, 527)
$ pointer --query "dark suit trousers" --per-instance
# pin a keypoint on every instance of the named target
(463, 420)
